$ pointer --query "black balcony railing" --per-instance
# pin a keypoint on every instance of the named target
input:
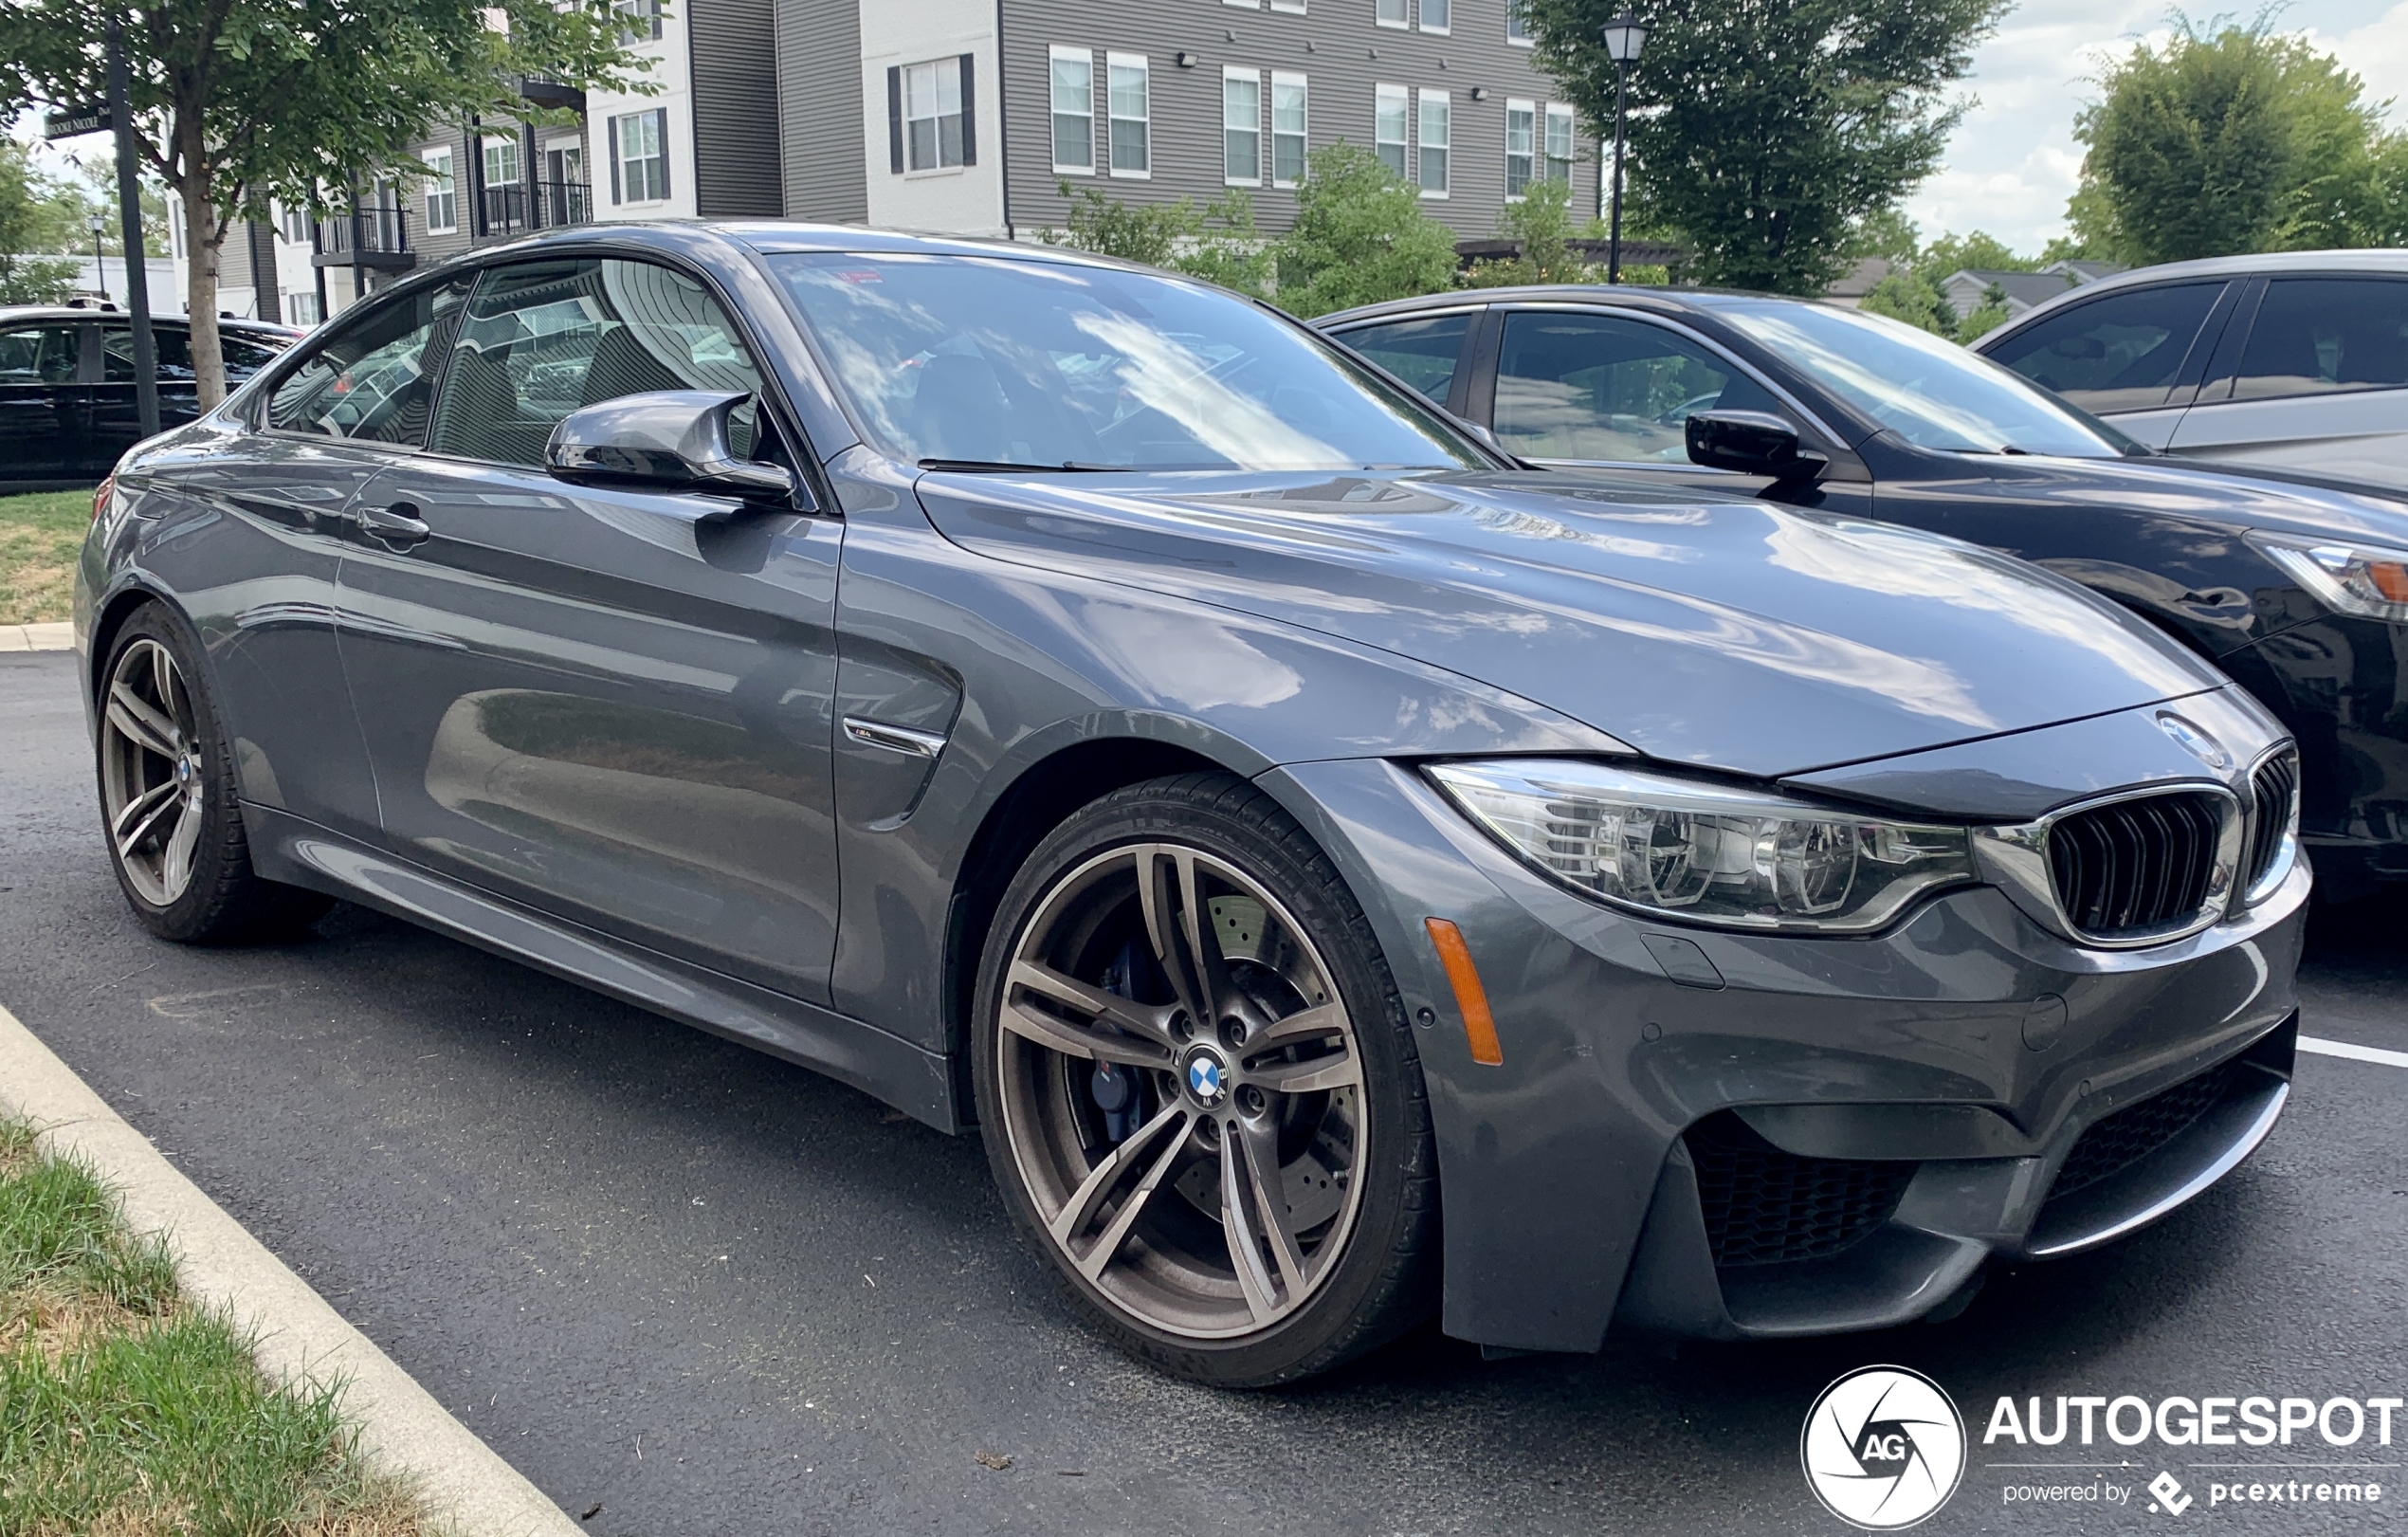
(543, 206)
(373, 237)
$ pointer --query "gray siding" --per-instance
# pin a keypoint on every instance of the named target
(1335, 46)
(820, 109)
(732, 54)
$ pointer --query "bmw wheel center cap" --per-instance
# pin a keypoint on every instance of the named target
(1206, 1078)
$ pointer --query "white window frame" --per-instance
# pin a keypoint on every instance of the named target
(507, 145)
(1112, 115)
(1294, 8)
(1423, 100)
(1245, 4)
(295, 301)
(1559, 113)
(1518, 33)
(623, 179)
(935, 73)
(1057, 54)
(293, 223)
(1530, 150)
(1287, 80)
(1234, 75)
(1396, 13)
(1384, 98)
(1446, 22)
(442, 188)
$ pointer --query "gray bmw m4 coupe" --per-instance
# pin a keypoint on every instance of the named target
(1341, 877)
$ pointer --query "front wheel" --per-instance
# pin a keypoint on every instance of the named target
(1198, 1090)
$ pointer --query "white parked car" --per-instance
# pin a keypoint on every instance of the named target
(2297, 361)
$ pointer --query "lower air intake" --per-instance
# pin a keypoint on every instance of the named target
(1765, 1207)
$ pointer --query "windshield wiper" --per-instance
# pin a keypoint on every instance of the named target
(976, 466)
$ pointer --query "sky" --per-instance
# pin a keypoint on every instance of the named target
(2013, 161)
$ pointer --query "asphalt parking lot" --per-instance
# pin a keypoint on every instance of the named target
(709, 1292)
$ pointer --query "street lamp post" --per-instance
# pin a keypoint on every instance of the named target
(1624, 36)
(99, 262)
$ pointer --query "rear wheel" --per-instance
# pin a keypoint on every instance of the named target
(168, 802)
(1198, 1091)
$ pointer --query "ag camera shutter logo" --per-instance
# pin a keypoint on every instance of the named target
(1882, 1448)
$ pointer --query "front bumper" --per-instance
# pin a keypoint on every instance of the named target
(1967, 1046)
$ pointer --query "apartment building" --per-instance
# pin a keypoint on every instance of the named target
(968, 115)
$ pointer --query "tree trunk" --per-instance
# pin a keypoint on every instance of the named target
(204, 232)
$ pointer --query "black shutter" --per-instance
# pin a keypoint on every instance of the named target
(656, 8)
(894, 119)
(969, 115)
(610, 138)
(662, 138)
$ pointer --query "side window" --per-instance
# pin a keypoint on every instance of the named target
(543, 338)
(1597, 387)
(41, 354)
(2315, 336)
(369, 378)
(1421, 352)
(2117, 353)
(171, 344)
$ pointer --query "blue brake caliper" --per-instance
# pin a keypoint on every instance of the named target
(1114, 1087)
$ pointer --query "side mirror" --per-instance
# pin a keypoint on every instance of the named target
(1752, 443)
(669, 440)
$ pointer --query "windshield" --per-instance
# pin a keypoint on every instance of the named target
(983, 361)
(1925, 389)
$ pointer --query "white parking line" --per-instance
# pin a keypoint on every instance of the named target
(2356, 1053)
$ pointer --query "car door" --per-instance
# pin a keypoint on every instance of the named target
(42, 401)
(250, 536)
(612, 704)
(2319, 383)
(2133, 355)
(1426, 351)
(1582, 388)
(117, 416)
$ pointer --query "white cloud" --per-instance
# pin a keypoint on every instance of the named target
(2013, 163)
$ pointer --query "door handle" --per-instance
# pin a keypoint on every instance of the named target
(398, 525)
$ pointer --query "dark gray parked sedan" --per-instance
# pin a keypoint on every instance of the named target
(1071, 700)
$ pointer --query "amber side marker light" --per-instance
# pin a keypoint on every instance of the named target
(1479, 1025)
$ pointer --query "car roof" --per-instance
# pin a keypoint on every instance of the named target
(781, 237)
(10, 314)
(2383, 262)
(1663, 301)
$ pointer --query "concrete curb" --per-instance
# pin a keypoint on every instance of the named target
(300, 1335)
(45, 637)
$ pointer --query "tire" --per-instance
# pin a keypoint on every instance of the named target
(167, 803)
(1110, 1114)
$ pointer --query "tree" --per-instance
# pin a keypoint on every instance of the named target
(1541, 223)
(1360, 236)
(2231, 141)
(239, 101)
(1765, 133)
(31, 226)
(1220, 244)
(1912, 291)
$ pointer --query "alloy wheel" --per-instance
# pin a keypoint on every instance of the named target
(1183, 1091)
(151, 772)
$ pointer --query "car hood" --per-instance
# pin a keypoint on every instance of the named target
(1728, 633)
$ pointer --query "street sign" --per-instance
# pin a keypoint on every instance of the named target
(68, 122)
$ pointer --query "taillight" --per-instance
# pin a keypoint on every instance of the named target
(101, 496)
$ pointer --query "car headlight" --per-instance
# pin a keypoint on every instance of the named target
(2350, 578)
(1706, 852)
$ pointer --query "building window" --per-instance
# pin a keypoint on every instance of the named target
(932, 115)
(501, 162)
(1287, 129)
(1388, 128)
(1389, 12)
(1295, 7)
(1560, 144)
(643, 18)
(443, 197)
(1437, 15)
(1073, 72)
(639, 157)
(1435, 133)
(293, 223)
(1242, 127)
(301, 310)
(1521, 127)
(1518, 25)
(1129, 111)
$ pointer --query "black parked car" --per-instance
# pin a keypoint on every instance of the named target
(67, 409)
(2300, 592)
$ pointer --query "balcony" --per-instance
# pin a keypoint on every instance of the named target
(545, 92)
(375, 238)
(545, 205)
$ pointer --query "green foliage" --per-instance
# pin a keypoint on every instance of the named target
(1360, 236)
(1542, 222)
(1907, 295)
(1912, 291)
(1987, 316)
(1769, 134)
(92, 189)
(2235, 140)
(32, 223)
(1220, 245)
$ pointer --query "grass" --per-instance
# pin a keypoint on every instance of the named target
(127, 1411)
(40, 534)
